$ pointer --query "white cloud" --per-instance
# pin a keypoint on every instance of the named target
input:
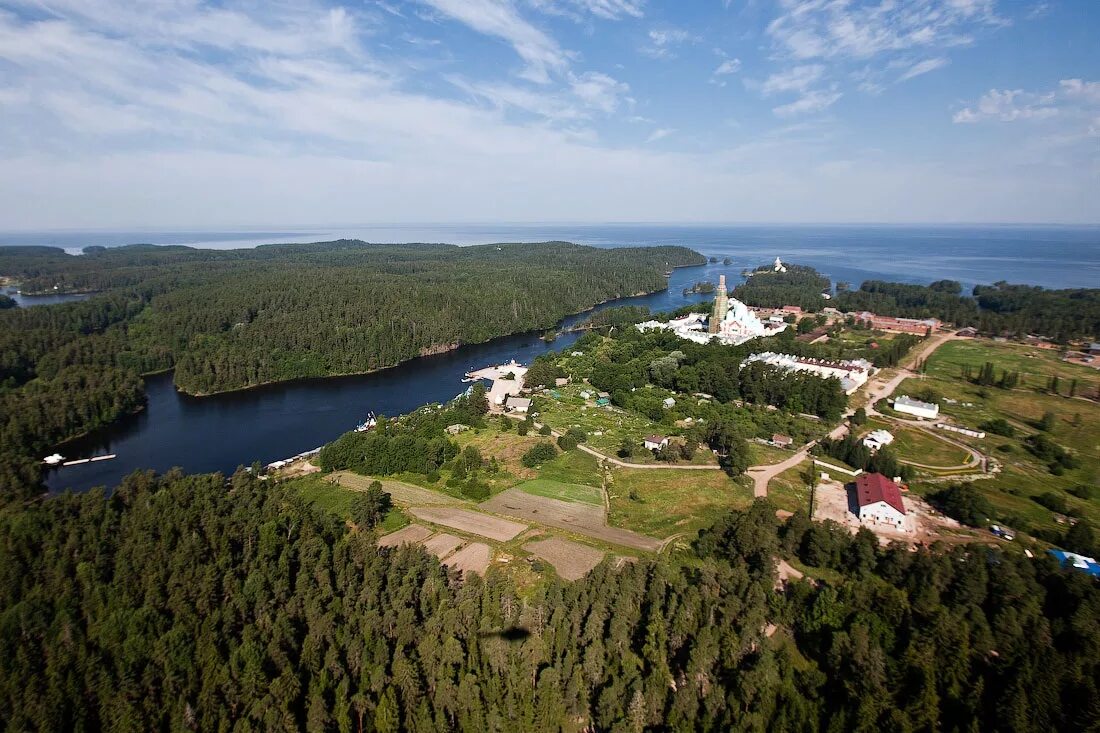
(499, 18)
(808, 103)
(809, 29)
(659, 134)
(795, 79)
(923, 67)
(1009, 105)
(729, 66)
(662, 41)
(605, 9)
(600, 91)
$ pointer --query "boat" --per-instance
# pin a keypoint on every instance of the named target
(53, 460)
(367, 424)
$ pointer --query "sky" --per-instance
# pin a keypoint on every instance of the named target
(188, 114)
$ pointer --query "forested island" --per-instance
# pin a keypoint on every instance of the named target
(230, 319)
(267, 601)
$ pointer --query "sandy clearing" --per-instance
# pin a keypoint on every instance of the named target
(442, 544)
(406, 536)
(400, 491)
(571, 560)
(473, 558)
(464, 520)
(584, 519)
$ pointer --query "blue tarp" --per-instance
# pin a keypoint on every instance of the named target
(1077, 562)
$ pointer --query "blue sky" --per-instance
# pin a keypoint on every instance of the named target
(179, 113)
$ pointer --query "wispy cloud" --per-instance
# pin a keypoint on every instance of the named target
(923, 67)
(500, 19)
(663, 42)
(659, 134)
(579, 9)
(1075, 98)
(809, 29)
(795, 79)
(808, 103)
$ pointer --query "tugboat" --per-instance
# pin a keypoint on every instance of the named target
(367, 424)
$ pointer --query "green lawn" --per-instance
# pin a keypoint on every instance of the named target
(572, 467)
(920, 447)
(789, 490)
(1036, 366)
(563, 491)
(607, 426)
(1077, 426)
(661, 503)
(336, 499)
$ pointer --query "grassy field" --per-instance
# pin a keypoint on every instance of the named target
(789, 491)
(607, 426)
(1035, 366)
(661, 503)
(918, 446)
(572, 467)
(565, 492)
(338, 500)
(1077, 425)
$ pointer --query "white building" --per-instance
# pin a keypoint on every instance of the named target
(909, 406)
(507, 380)
(879, 500)
(655, 442)
(876, 439)
(738, 326)
(852, 374)
(518, 404)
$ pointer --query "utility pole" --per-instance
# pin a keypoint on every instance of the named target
(813, 485)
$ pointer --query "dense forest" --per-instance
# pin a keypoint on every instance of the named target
(195, 603)
(799, 285)
(227, 319)
(999, 309)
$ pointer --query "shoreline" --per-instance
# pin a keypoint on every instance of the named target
(536, 332)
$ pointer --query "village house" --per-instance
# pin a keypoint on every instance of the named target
(517, 404)
(782, 441)
(876, 439)
(909, 406)
(879, 500)
(655, 442)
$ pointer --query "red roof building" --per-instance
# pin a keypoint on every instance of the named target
(879, 499)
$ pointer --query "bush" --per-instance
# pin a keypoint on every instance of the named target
(545, 430)
(476, 490)
(998, 426)
(1083, 491)
(577, 434)
(626, 448)
(524, 427)
(539, 454)
(1054, 502)
(567, 442)
(964, 503)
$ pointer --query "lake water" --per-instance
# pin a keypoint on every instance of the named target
(220, 432)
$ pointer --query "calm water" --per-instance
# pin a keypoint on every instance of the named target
(221, 432)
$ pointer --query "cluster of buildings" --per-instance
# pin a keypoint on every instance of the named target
(730, 322)
(917, 326)
(507, 386)
(852, 373)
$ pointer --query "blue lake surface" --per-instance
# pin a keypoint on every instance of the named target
(220, 432)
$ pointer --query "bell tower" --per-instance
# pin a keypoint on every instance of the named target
(721, 305)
